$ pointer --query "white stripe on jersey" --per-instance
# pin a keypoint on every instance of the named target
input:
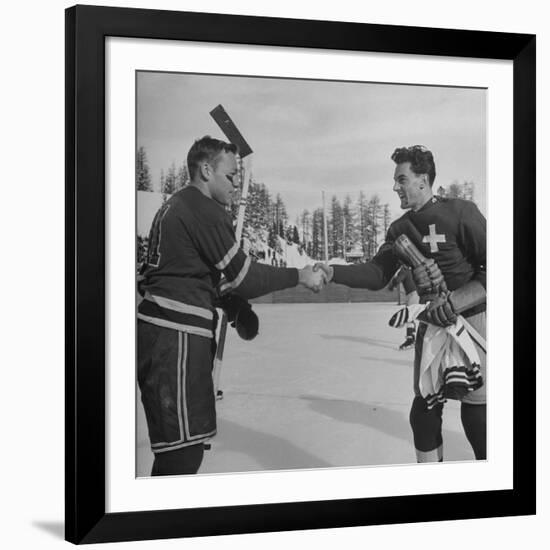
(176, 326)
(164, 447)
(228, 257)
(225, 287)
(181, 387)
(180, 307)
(242, 274)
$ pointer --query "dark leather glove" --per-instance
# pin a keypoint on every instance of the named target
(428, 277)
(240, 315)
(441, 312)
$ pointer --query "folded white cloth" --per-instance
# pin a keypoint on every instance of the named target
(449, 361)
(406, 315)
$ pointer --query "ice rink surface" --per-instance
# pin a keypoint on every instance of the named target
(321, 386)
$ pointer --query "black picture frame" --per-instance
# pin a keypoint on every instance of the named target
(86, 30)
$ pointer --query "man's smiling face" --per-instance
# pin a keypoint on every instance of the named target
(410, 187)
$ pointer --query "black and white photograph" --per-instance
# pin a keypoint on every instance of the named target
(310, 274)
(224, 332)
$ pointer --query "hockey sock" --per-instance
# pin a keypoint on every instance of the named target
(474, 420)
(410, 330)
(181, 461)
(426, 427)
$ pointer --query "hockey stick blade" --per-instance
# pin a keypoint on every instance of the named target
(227, 126)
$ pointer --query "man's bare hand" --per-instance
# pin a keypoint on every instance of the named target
(311, 278)
(327, 270)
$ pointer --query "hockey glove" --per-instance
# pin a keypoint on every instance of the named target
(428, 277)
(440, 312)
(240, 316)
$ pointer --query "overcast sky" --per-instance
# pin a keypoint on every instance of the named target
(309, 135)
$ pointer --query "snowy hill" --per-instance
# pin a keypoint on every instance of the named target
(147, 205)
(290, 255)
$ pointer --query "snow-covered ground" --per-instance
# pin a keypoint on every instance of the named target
(323, 385)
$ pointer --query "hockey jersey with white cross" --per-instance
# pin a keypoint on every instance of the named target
(451, 231)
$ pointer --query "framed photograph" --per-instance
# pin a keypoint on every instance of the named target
(238, 189)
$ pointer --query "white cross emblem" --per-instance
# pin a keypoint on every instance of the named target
(433, 238)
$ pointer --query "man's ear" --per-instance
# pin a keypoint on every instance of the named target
(205, 171)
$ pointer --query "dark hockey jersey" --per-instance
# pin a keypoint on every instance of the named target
(451, 231)
(191, 245)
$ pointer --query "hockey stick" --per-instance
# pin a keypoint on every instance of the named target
(233, 134)
(218, 360)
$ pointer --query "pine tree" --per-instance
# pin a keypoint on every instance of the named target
(273, 240)
(182, 177)
(295, 236)
(279, 214)
(469, 190)
(386, 218)
(337, 228)
(455, 190)
(257, 207)
(288, 234)
(374, 215)
(363, 225)
(169, 187)
(317, 251)
(458, 190)
(305, 222)
(348, 222)
(164, 196)
(143, 176)
(256, 219)
(272, 237)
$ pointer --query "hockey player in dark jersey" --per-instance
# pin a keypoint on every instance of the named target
(451, 233)
(192, 260)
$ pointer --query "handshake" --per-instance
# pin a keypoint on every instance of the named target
(315, 277)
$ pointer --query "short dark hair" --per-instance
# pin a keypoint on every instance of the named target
(421, 159)
(206, 149)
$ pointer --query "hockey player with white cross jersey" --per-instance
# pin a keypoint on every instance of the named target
(451, 234)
